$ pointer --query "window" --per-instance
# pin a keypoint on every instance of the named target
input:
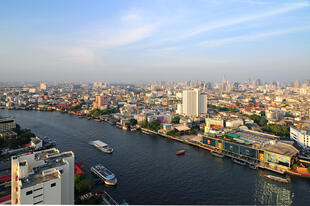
(53, 184)
(29, 192)
(37, 196)
(37, 203)
(38, 189)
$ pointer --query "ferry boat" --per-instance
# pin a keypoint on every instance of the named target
(280, 179)
(220, 155)
(102, 146)
(239, 162)
(181, 152)
(103, 173)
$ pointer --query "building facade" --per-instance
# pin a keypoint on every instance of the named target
(194, 103)
(7, 123)
(301, 136)
(102, 102)
(44, 177)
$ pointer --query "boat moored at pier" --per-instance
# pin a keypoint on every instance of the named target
(279, 179)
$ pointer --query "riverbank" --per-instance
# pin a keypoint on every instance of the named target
(147, 166)
(195, 141)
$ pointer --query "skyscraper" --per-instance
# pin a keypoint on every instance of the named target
(297, 84)
(194, 103)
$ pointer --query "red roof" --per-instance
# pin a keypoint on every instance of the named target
(78, 169)
(5, 198)
(5, 178)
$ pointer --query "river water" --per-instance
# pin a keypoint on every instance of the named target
(149, 172)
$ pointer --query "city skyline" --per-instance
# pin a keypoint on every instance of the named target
(172, 41)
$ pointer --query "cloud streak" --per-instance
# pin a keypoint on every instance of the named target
(231, 22)
(252, 37)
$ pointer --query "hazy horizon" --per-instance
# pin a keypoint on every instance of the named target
(175, 40)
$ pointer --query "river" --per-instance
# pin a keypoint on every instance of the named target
(149, 171)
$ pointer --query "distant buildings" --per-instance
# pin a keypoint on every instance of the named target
(43, 86)
(302, 136)
(194, 103)
(44, 177)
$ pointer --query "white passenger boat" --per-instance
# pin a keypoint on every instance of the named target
(103, 173)
(102, 146)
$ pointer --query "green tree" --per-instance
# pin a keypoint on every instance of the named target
(263, 122)
(176, 120)
(171, 133)
(262, 113)
(155, 125)
(289, 115)
(82, 184)
(133, 122)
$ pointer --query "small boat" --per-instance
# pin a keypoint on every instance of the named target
(220, 155)
(104, 174)
(280, 179)
(181, 152)
(239, 162)
(102, 146)
(253, 166)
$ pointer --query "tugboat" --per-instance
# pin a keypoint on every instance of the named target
(181, 152)
(104, 174)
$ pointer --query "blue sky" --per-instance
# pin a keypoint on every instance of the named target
(154, 40)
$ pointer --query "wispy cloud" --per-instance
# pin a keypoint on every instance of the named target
(230, 22)
(128, 29)
(219, 42)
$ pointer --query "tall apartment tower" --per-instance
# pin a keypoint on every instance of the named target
(44, 177)
(194, 103)
(101, 101)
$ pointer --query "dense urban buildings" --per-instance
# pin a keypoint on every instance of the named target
(261, 125)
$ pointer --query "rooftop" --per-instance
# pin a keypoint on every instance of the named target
(282, 149)
(253, 137)
(45, 172)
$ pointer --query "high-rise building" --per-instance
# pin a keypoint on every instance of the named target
(194, 103)
(44, 177)
(297, 84)
(42, 86)
(102, 101)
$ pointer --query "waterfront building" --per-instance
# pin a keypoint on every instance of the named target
(44, 177)
(194, 103)
(265, 149)
(301, 136)
(7, 123)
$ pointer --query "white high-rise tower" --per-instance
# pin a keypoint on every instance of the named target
(194, 103)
